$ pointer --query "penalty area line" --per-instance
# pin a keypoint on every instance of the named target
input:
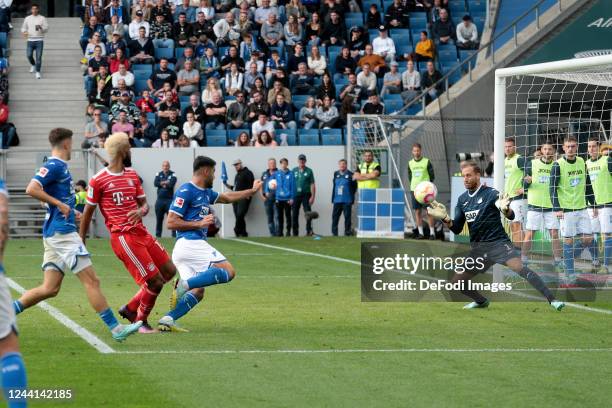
(397, 350)
(350, 261)
(76, 328)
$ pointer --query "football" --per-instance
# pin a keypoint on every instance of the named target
(272, 184)
(425, 192)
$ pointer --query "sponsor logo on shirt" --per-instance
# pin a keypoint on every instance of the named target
(42, 172)
(178, 202)
(470, 216)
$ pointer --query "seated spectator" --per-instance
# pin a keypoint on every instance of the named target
(216, 112)
(115, 27)
(97, 12)
(167, 104)
(202, 26)
(258, 86)
(243, 7)
(212, 86)
(327, 114)
(172, 124)
(265, 140)
(188, 79)
(248, 46)
(302, 82)
(297, 9)
(141, 49)
(358, 40)
(243, 25)
(411, 83)
(92, 27)
(124, 104)
(281, 77)
(367, 79)
(224, 31)
(278, 89)
(94, 42)
(185, 9)
(345, 64)
(392, 81)
(142, 6)
(251, 75)
(93, 130)
(118, 59)
(223, 6)
(209, 64)
(188, 55)
(316, 62)
(232, 56)
(428, 82)
(195, 108)
(425, 48)
(313, 30)
(467, 34)
(89, 113)
(124, 74)
(438, 5)
(206, 9)
(243, 140)
(296, 59)
(202, 44)
(237, 113)
(161, 75)
(327, 88)
(138, 21)
(161, 8)
(116, 93)
(263, 11)
(347, 107)
(293, 31)
(182, 31)
(397, 15)
(255, 59)
(233, 80)
(145, 131)
(116, 43)
(146, 104)
(383, 45)
(93, 67)
(122, 125)
(352, 91)
(161, 32)
(257, 107)
(373, 105)
(376, 62)
(262, 124)
(281, 113)
(373, 18)
(272, 32)
(308, 114)
(334, 32)
(193, 130)
(116, 9)
(163, 141)
(100, 95)
(183, 141)
(443, 30)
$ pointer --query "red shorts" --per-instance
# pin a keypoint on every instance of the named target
(141, 254)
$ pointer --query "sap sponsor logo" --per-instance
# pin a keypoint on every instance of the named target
(470, 216)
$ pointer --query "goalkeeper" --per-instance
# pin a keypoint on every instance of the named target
(479, 206)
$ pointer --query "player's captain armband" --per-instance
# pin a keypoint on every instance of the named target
(178, 202)
(42, 172)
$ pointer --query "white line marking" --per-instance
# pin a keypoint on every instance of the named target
(80, 331)
(400, 350)
(335, 258)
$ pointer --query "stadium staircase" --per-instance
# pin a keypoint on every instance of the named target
(37, 106)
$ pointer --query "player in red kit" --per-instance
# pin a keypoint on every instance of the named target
(118, 191)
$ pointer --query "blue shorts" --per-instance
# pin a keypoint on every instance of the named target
(415, 204)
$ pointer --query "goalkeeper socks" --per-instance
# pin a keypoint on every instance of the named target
(183, 306)
(594, 251)
(420, 230)
(134, 302)
(18, 306)
(211, 276)
(147, 301)
(537, 282)
(568, 257)
(108, 317)
(13, 378)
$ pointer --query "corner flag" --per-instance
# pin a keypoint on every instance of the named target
(223, 172)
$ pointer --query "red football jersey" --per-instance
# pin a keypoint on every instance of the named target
(116, 194)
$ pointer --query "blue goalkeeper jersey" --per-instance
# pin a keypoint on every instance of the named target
(192, 203)
(482, 216)
(56, 181)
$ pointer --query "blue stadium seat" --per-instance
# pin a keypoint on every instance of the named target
(414, 109)
(104, 117)
(447, 52)
(233, 134)
(147, 69)
(392, 97)
(477, 6)
(184, 99)
(152, 118)
(216, 138)
(3, 40)
(222, 52)
(291, 136)
(479, 22)
(299, 101)
(178, 52)
(164, 53)
(399, 32)
(418, 20)
(353, 19)
(332, 49)
(392, 106)
(455, 77)
(309, 137)
(386, 4)
(403, 48)
(415, 33)
(457, 9)
(366, 5)
(464, 55)
(140, 85)
(331, 137)
(331, 65)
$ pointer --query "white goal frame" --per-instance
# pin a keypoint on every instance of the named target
(569, 65)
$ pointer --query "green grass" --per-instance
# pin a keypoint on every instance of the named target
(287, 301)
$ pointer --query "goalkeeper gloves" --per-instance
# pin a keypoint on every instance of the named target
(438, 211)
(503, 203)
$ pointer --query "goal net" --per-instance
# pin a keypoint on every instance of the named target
(557, 116)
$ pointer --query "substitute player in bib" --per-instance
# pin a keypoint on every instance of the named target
(420, 169)
(540, 213)
(119, 193)
(64, 249)
(479, 206)
(599, 168)
(514, 165)
(570, 188)
(11, 362)
(199, 264)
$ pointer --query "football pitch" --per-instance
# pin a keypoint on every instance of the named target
(291, 331)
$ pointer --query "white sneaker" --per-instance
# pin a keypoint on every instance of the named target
(32, 69)
(167, 323)
(38, 75)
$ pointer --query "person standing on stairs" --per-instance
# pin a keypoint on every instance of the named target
(33, 29)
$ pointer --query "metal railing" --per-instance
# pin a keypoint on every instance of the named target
(488, 48)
